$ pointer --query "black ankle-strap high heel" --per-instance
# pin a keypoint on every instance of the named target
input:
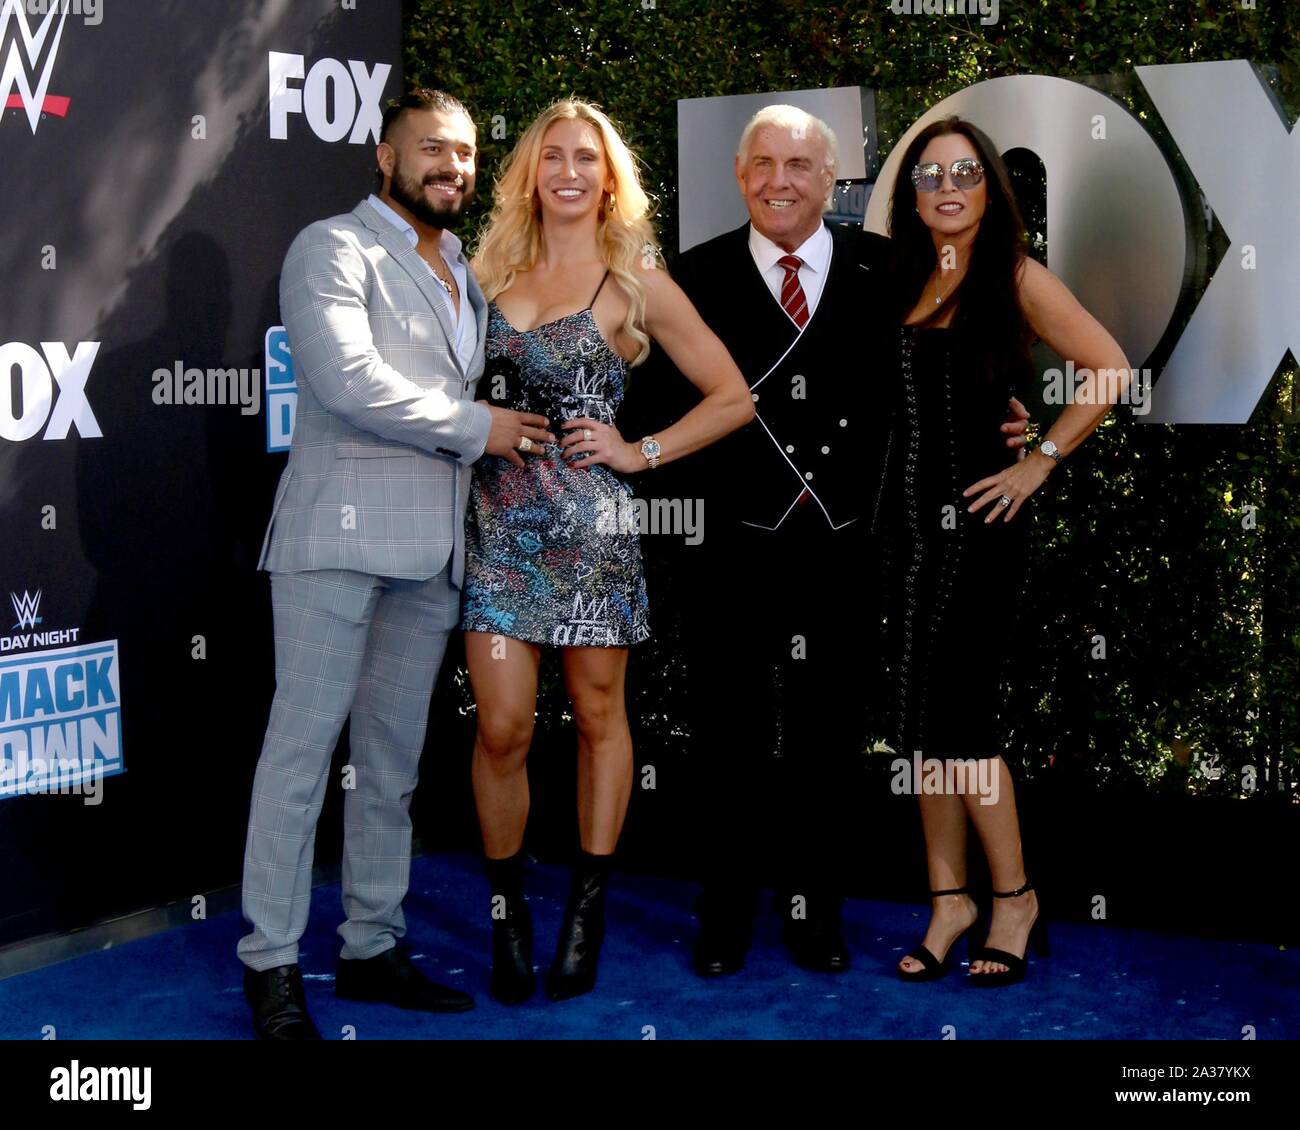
(1015, 965)
(932, 967)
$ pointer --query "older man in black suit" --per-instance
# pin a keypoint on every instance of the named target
(780, 624)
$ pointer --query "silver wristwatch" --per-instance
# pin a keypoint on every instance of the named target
(651, 450)
(1048, 448)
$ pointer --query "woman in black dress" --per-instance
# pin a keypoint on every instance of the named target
(970, 303)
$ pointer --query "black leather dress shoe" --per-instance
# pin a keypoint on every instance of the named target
(726, 908)
(391, 979)
(817, 945)
(719, 950)
(279, 1004)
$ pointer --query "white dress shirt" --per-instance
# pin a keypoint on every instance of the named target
(815, 252)
(467, 322)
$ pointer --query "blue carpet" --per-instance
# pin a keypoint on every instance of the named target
(1101, 982)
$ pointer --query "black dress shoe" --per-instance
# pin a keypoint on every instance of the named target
(726, 907)
(582, 932)
(279, 1004)
(815, 943)
(392, 979)
(719, 950)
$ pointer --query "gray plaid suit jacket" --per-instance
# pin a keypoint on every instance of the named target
(386, 426)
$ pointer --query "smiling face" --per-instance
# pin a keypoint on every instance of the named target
(573, 176)
(429, 165)
(785, 180)
(951, 210)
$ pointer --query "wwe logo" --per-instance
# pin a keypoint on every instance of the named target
(25, 49)
(25, 608)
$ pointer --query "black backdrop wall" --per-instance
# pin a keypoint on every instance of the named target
(148, 212)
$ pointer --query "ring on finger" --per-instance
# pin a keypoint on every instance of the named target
(1004, 501)
(586, 434)
(525, 444)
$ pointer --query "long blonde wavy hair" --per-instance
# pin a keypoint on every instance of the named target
(512, 239)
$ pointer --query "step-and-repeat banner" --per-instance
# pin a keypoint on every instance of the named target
(156, 160)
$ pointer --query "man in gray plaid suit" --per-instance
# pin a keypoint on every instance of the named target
(365, 550)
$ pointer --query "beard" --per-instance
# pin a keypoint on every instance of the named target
(409, 193)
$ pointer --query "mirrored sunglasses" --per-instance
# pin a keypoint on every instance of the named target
(966, 173)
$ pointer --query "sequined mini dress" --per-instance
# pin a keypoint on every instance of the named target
(552, 553)
(951, 582)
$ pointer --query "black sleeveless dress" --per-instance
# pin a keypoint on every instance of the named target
(950, 582)
(552, 550)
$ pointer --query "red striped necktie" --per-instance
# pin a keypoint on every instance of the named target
(793, 299)
(795, 303)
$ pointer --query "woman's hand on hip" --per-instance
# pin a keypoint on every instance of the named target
(1016, 483)
(602, 442)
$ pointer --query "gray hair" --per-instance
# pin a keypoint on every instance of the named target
(781, 116)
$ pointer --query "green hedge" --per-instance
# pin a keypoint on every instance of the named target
(1142, 541)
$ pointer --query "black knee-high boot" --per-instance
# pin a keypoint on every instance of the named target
(512, 931)
(583, 930)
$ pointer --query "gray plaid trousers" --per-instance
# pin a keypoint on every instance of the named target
(345, 643)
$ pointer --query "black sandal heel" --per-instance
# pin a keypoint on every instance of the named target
(1015, 966)
(932, 967)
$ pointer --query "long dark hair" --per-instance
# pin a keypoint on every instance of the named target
(986, 298)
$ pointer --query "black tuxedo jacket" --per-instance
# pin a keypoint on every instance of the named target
(820, 393)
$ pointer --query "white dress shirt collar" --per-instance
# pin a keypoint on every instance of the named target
(815, 251)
